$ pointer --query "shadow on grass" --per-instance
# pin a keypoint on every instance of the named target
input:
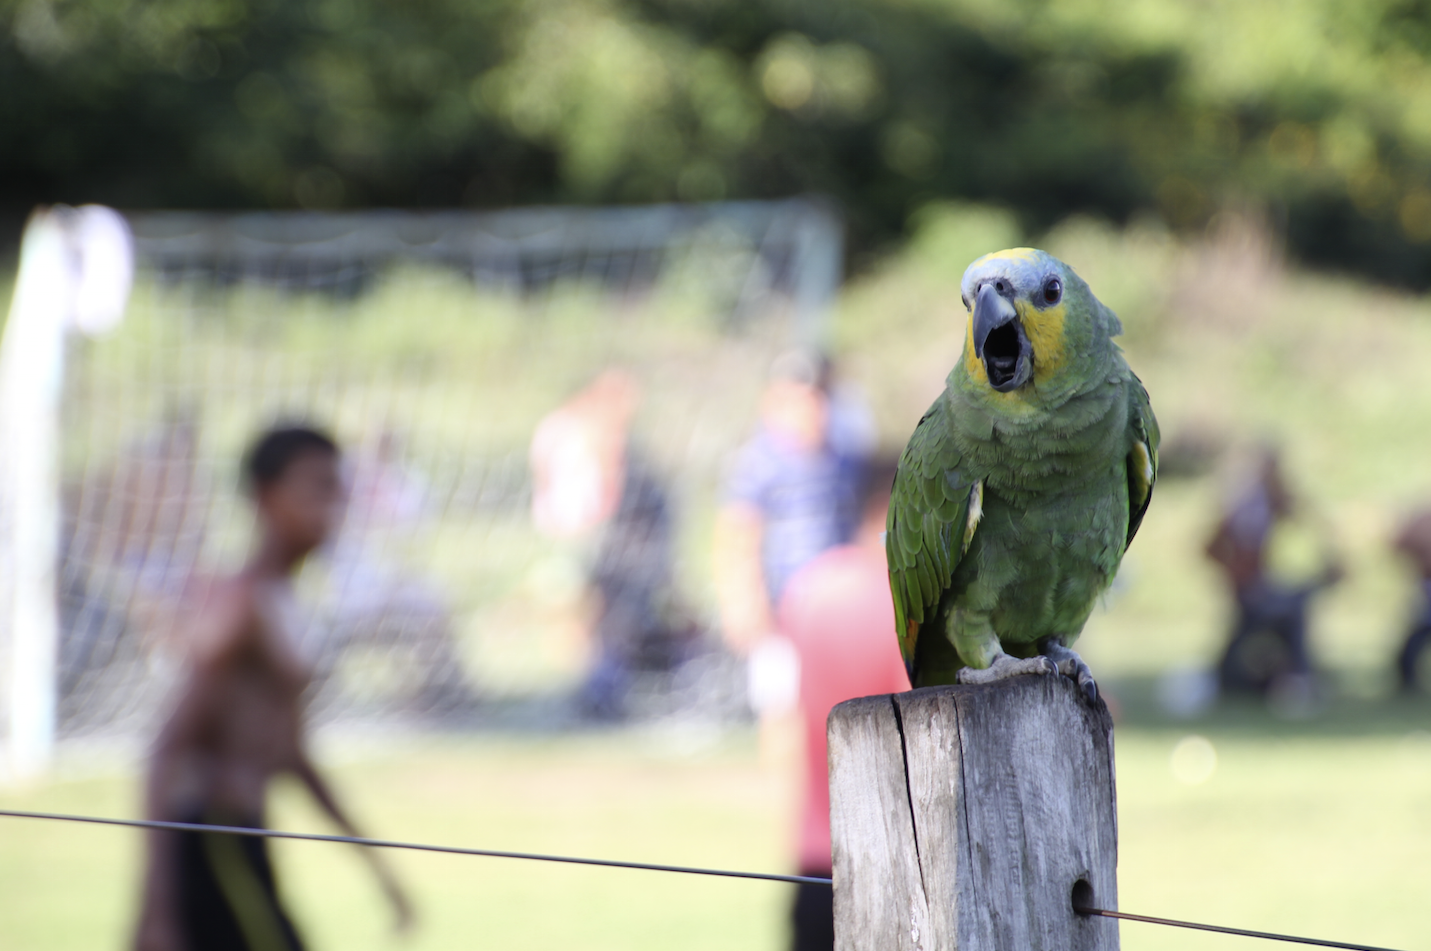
(1346, 709)
(1352, 704)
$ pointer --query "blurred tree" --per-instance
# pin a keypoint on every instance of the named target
(1319, 110)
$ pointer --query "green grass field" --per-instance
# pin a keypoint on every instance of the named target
(1316, 829)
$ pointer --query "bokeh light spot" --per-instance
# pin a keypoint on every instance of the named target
(1194, 760)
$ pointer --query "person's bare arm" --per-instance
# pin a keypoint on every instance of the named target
(322, 793)
(1218, 544)
(744, 603)
(1413, 541)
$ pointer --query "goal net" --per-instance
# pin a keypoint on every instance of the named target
(432, 346)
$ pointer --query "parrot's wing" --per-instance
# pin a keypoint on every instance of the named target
(1142, 456)
(934, 508)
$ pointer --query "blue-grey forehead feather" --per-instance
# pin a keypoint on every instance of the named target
(1027, 268)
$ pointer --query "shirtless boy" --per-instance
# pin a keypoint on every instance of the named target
(238, 723)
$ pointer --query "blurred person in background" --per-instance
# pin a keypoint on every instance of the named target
(238, 722)
(838, 613)
(589, 479)
(372, 601)
(850, 427)
(1413, 543)
(790, 497)
(1267, 649)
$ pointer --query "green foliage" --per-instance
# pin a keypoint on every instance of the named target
(1048, 107)
(948, 236)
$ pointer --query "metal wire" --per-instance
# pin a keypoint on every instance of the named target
(416, 846)
(612, 863)
(1241, 932)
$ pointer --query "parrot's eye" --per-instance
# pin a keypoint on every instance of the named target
(1052, 290)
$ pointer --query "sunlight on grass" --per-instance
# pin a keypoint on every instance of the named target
(608, 797)
(1316, 833)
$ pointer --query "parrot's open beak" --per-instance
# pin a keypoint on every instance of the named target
(1000, 341)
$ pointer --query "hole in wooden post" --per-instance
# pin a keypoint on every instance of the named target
(1083, 897)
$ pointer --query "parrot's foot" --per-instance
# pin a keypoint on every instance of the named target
(1004, 667)
(1071, 665)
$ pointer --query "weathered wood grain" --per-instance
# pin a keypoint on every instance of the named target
(963, 816)
(868, 793)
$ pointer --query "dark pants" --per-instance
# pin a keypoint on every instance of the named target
(1273, 611)
(228, 899)
(813, 916)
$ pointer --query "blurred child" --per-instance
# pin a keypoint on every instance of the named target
(238, 723)
(838, 613)
(1413, 542)
(789, 498)
(1266, 606)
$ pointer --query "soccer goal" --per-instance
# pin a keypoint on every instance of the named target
(432, 345)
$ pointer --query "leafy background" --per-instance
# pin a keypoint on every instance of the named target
(1317, 112)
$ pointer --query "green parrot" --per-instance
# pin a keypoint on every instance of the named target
(1023, 484)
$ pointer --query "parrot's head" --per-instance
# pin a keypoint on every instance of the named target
(1031, 319)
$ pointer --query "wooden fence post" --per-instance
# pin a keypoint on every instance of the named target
(964, 818)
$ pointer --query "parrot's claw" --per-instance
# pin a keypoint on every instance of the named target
(1071, 665)
(1004, 667)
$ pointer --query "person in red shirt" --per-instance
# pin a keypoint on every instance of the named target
(839, 616)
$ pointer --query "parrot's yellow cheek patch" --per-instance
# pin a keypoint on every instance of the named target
(1044, 329)
(972, 364)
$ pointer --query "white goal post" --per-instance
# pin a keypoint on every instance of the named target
(75, 271)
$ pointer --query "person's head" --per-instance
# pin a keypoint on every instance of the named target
(1270, 478)
(292, 474)
(796, 402)
(616, 392)
(876, 487)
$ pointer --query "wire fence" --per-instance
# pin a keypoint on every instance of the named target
(257, 833)
(1222, 929)
(251, 832)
